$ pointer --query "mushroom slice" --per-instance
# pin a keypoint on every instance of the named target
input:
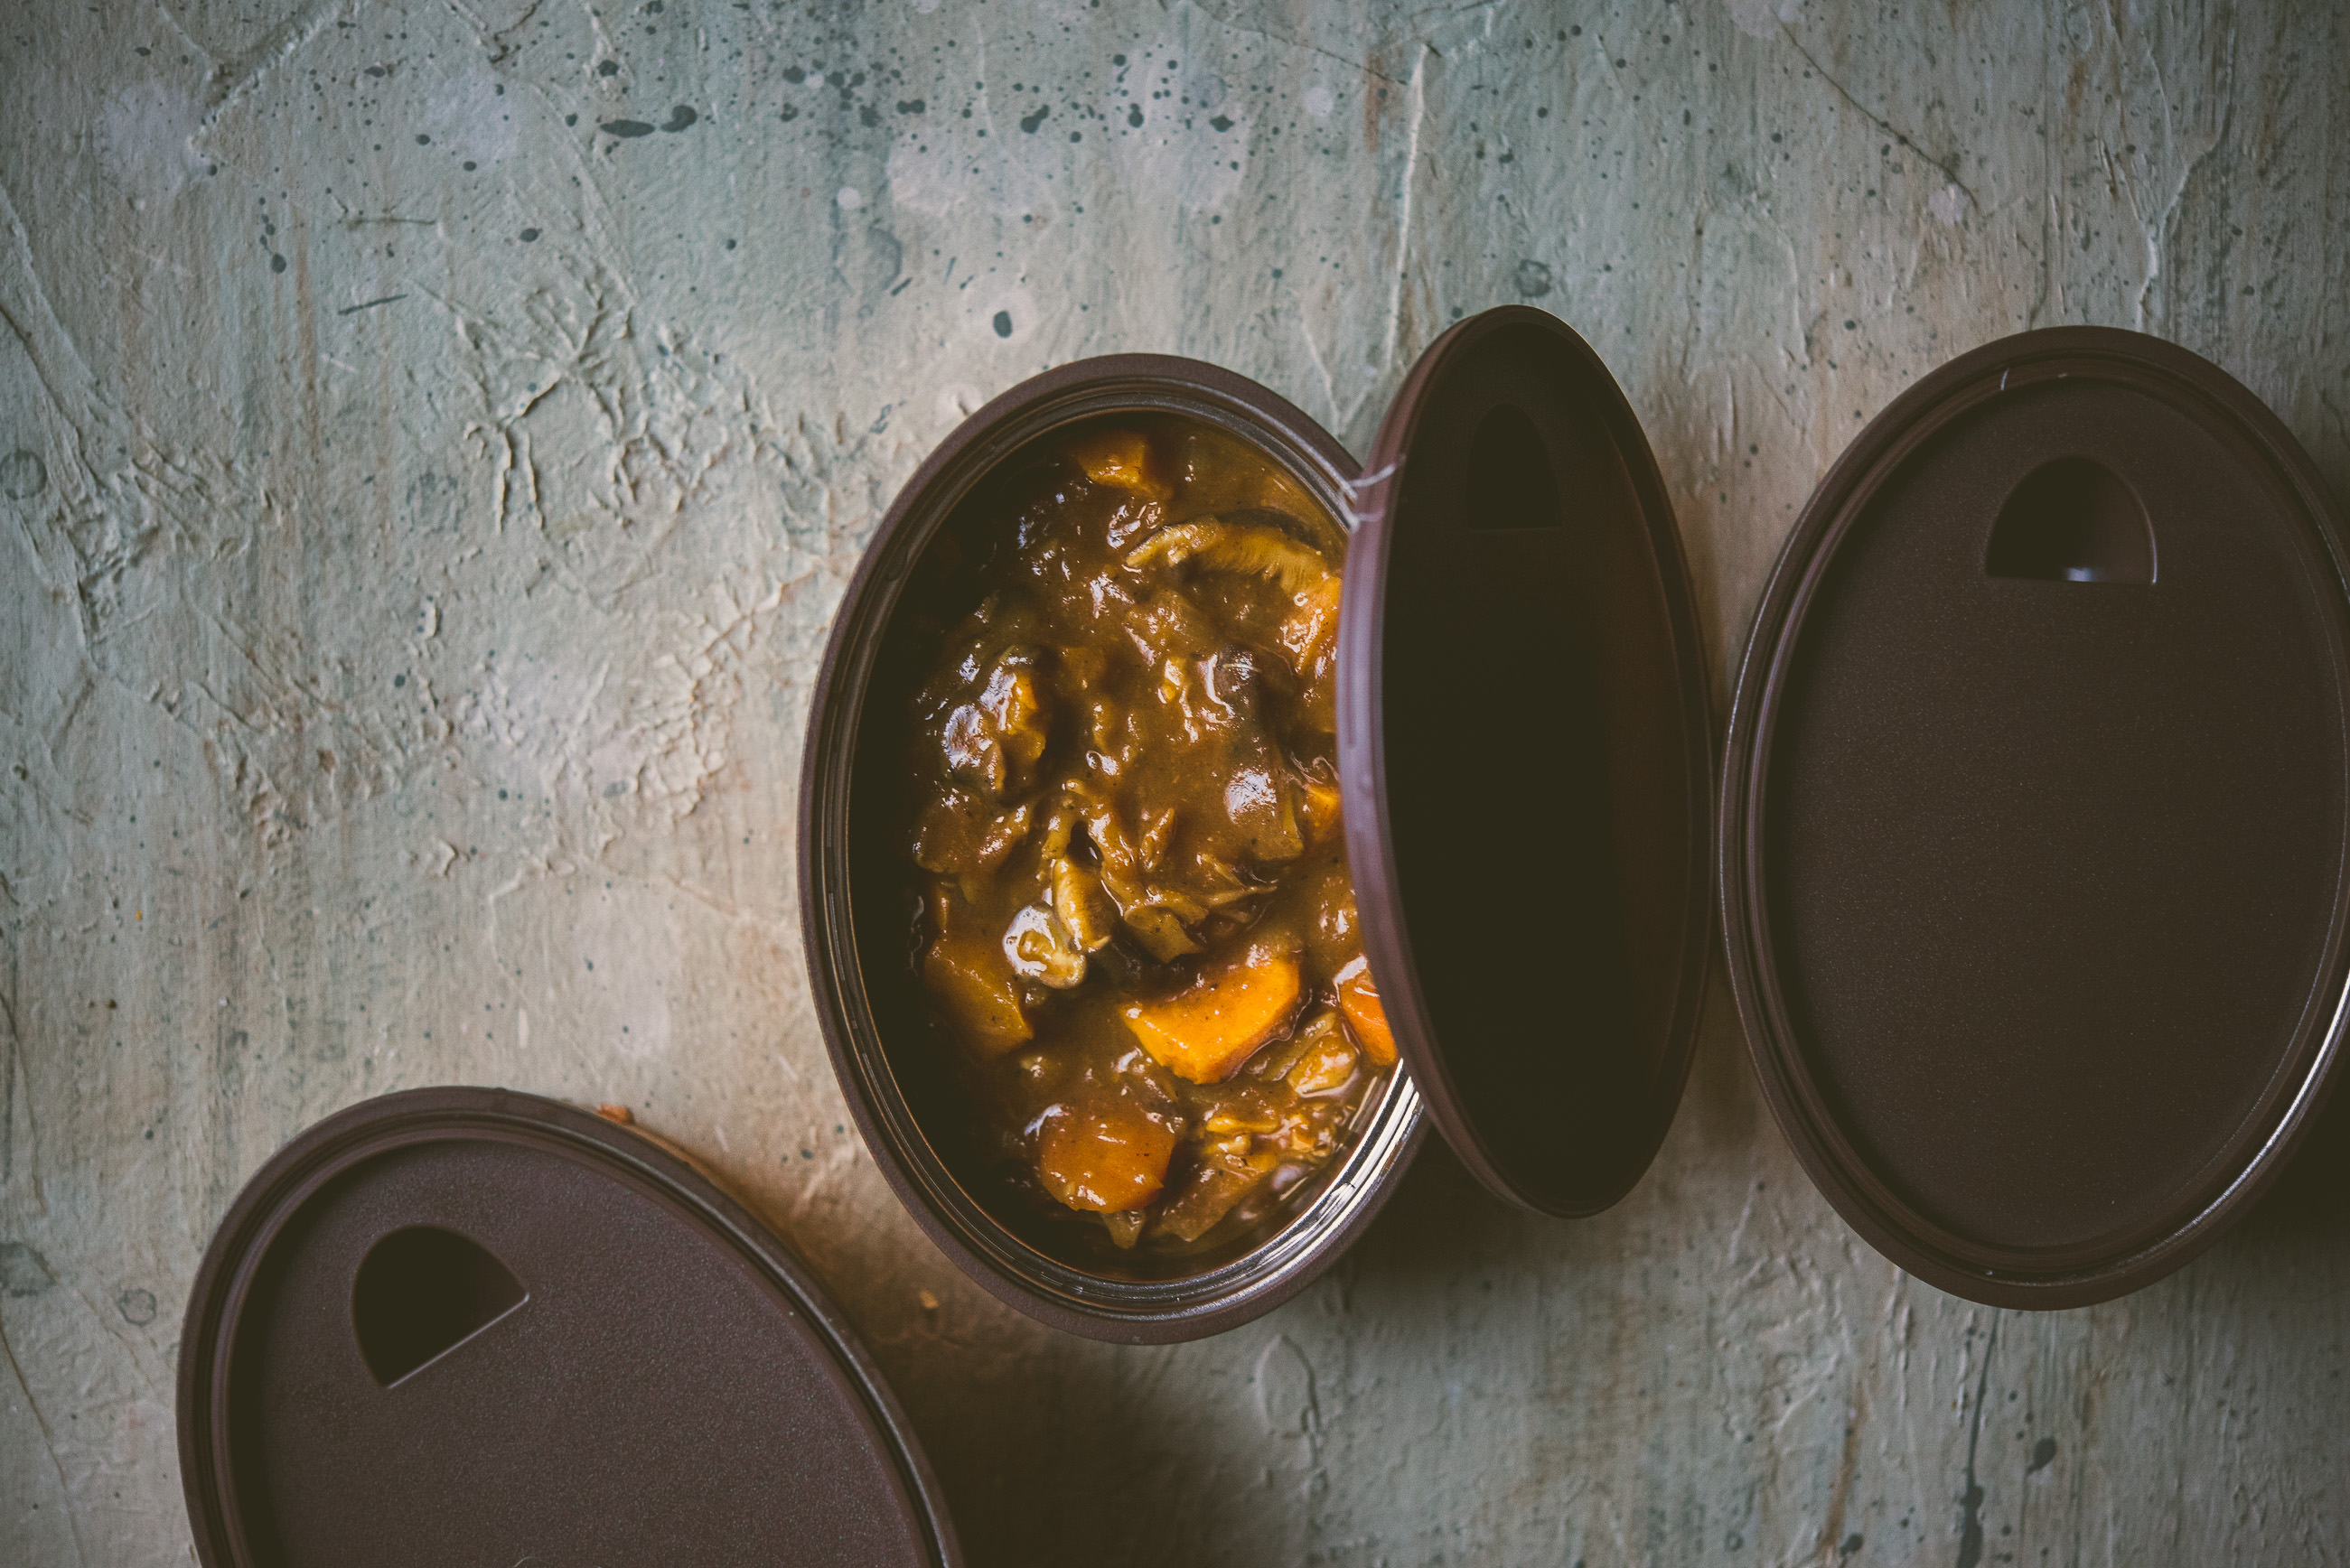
(1041, 950)
(1085, 910)
(1160, 930)
(1256, 549)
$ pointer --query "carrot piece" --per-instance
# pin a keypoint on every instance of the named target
(1108, 1159)
(1358, 999)
(1206, 1031)
(971, 981)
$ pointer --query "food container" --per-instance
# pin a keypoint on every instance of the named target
(1514, 592)
(471, 1326)
(2031, 836)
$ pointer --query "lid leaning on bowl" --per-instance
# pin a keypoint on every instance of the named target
(2035, 814)
(1525, 747)
(467, 1324)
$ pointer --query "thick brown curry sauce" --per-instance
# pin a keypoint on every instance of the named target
(1135, 922)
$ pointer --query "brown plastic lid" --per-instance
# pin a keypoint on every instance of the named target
(2035, 815)
(468, 1326)
(1524, 745)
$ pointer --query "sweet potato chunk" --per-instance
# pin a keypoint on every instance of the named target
(1206, 1031)
(1108, 1158)
(971, 981)
(1358, 999)
(1319, 808)
(1120, 460)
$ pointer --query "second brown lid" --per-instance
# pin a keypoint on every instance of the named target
(1525, 747)
(470, 1326)
(2035, 817)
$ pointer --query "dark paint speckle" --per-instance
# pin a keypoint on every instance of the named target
(1003, 324)
(1029, 122)
(1134, 115)
(1534, 278)
(2041, 1452)
(528, 235)
(911, 105)
(276, 262)
(607, 68)
(1221, 122)
(23, 474)
(625, 128)
(679, 117)
(795, 74)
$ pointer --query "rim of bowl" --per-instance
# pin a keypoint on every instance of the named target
(1340, 1200)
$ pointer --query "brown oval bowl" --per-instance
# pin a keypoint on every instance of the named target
(853, 907)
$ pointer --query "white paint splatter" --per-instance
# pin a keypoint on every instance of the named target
(142, 136)
(924, 7)
(1764, 18)
(1950, 205)
(1320, 101)
(467, 118)
(957, 401)
(850, 198)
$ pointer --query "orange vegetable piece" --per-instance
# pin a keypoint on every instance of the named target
(1108, 1159)
(1206, 1031)
(971, 981)
(1325, 816)
(1358, 999)
(1121, 460)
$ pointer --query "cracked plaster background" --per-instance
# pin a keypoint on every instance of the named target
(434, 436)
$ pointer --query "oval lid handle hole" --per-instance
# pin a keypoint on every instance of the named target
(419, 1292)
(2072, 520)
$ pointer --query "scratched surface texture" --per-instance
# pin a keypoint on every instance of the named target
(435, 437)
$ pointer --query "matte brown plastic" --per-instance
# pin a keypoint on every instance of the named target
(853, 902)
(468, 1326)
(1526, 745)
(2035, 815)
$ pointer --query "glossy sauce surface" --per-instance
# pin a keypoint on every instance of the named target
(1135, 923)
